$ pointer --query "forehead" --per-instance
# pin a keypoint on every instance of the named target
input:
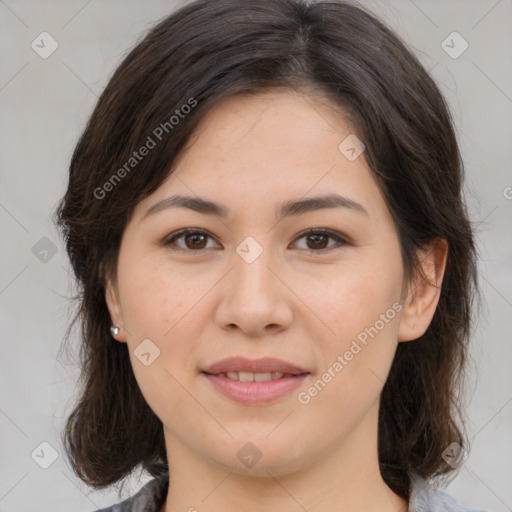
(284, 122)
(272, 146)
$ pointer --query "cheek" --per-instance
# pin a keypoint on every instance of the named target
(157, 299)
(353, 295)
(358, 303)
(161, 305)
(361, 309)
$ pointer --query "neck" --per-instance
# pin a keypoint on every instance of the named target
(347, 478)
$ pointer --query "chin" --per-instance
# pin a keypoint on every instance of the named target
(260, 457)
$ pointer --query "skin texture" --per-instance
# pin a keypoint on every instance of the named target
(251, 154)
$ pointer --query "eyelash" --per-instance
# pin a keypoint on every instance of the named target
(168, 241)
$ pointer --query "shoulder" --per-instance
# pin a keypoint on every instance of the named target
(426, 499)
(149, 498)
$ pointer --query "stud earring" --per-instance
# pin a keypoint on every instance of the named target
(114, 330)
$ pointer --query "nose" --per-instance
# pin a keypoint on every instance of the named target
(254, 297)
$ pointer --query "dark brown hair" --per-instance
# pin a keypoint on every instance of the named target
(207, 51)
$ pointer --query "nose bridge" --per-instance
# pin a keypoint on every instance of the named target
(253, 297)
(251, 261)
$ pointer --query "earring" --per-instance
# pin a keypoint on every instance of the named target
(114, 330)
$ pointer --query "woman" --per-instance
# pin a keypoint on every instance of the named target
(265, 216)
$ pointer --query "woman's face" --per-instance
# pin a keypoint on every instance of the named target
(252, 284)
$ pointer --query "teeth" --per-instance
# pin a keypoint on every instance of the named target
(252, 377)
(262, 377)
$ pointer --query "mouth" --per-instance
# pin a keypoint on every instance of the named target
(264, 365)
(254, 377)
(252, 382)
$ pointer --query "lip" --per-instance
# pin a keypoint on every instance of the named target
(262, 365)
(253, 393)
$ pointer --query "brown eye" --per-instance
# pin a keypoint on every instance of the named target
(194, 240)
(318, 240)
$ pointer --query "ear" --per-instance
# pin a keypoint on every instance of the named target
(115, 310)
(424, 292)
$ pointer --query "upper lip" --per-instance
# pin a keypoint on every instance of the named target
(262, 365)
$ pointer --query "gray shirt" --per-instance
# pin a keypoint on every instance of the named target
(424, 498)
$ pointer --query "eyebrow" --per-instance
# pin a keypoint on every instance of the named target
(289, 208)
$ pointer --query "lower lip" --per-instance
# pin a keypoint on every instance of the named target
(251, 393)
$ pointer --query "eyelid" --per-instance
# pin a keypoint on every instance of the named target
(341, 239)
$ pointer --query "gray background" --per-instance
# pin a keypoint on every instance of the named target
(44, 105)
